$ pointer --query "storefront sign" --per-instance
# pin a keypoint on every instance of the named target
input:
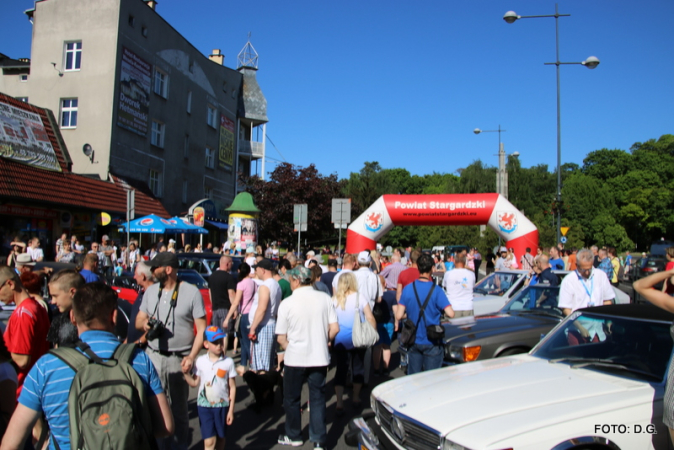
(24, 139)
(134, 93)
(198, 215)
(37, 213)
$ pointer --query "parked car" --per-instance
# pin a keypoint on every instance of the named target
(516, 328)
(206, 263)
(492, 292)
(127, 289)
(568, 393)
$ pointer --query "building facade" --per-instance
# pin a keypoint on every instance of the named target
(135, 100)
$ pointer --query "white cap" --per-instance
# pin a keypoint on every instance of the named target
(364, 257)
(311, 253)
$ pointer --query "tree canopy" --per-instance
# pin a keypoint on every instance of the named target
(617, 197)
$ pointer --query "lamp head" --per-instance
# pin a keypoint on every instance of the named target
(516, 154)
(477, 131)
(511, 17)
(591, 62)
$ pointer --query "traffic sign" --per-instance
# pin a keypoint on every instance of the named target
(300, 214)
(341, 210)
(563, 239)
(564, 230)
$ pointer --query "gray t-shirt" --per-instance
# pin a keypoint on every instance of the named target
(179, 333)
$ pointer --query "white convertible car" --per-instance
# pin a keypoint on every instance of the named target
(596, 381)
(492, 292)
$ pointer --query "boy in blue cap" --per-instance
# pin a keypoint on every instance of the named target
(215, 374)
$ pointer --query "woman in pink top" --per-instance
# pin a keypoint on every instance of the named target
(245, 293)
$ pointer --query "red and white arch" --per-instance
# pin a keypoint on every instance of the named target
(493, 210)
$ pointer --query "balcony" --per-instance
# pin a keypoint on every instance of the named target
(251, 149)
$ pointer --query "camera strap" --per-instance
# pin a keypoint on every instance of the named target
(174, 300)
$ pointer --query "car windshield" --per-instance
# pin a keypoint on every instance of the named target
(537, 298)
(192, 278)
(625, 346)
(124, 282)
(497, 283)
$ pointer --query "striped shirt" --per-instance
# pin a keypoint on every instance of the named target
(391, 274)
(47, 385)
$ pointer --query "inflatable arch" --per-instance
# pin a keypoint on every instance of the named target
(442, 209)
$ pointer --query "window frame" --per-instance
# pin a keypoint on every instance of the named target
(212, 116)
(162, 89)
(70, 109)
(210, 158)
(75, 53)
(155, 181)
(160, 132)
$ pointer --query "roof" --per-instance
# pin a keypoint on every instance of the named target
(633, 311)
(8, 63)
(243, 202)
(252, 103)
(24, 183)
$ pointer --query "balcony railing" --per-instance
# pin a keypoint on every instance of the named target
(251, 149)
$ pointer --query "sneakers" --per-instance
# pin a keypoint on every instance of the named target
(285, 440)
(318, 446)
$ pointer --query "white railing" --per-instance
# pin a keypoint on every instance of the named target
(254, 149)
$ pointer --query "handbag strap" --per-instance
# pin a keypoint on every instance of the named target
(422, 308)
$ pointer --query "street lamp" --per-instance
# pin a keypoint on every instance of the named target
(590, 63)
(502, 175)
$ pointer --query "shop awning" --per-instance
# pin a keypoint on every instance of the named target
(219, 225)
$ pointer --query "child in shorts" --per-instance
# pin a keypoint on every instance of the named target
(215, 374)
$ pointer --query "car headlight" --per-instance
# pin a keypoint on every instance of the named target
(456, 352)
(449, 445)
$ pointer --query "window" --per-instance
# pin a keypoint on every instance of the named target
(186, 146)
(143, 31)
(184, 191)
(73, 56)
(210, 158)
(69, 113)
(208, 192)
(24, 78)
(155, 182)
(212, 118)
(160, 83)
(157, 138)
(189, 102)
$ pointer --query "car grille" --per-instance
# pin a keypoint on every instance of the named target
(416, 436)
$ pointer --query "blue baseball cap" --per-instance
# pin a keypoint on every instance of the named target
(214, 333)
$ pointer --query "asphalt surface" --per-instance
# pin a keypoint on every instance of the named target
(251, 430)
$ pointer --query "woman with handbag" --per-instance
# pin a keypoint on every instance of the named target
(349, 307)
(246, 289)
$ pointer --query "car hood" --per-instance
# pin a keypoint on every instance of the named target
(495, 324)
(472, 401)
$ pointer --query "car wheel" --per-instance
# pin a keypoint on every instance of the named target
(513, 351)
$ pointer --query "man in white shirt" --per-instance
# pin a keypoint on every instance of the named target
(458, 285)
(347, 266)
(307, 321)
(34, 250)
(368, 283)
(586, 286)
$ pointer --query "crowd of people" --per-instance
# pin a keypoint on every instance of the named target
(292, 315)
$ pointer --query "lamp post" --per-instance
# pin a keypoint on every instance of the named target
(590, 63)
(502, 175)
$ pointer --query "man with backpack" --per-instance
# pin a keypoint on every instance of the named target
(100, 405)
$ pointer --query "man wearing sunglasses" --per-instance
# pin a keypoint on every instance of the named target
(586, 286)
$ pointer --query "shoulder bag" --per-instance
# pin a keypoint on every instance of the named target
(363, 334)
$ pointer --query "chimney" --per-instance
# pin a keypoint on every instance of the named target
(152, 4)
(217, 57)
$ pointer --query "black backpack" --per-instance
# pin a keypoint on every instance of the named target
(107, 405)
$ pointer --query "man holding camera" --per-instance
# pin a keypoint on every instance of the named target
(168, 313)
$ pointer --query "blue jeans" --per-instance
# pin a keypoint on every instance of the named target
(293, 378)
(244, 326)
(421, 358)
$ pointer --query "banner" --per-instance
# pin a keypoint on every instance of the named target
(134, 93)
(226, 154)
(493, 210)
(23, 139)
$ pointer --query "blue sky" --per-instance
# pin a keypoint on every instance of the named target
(405, 83)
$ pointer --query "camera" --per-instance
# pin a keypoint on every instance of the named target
(156, 329)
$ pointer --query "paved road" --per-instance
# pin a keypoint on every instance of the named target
(261, 431)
